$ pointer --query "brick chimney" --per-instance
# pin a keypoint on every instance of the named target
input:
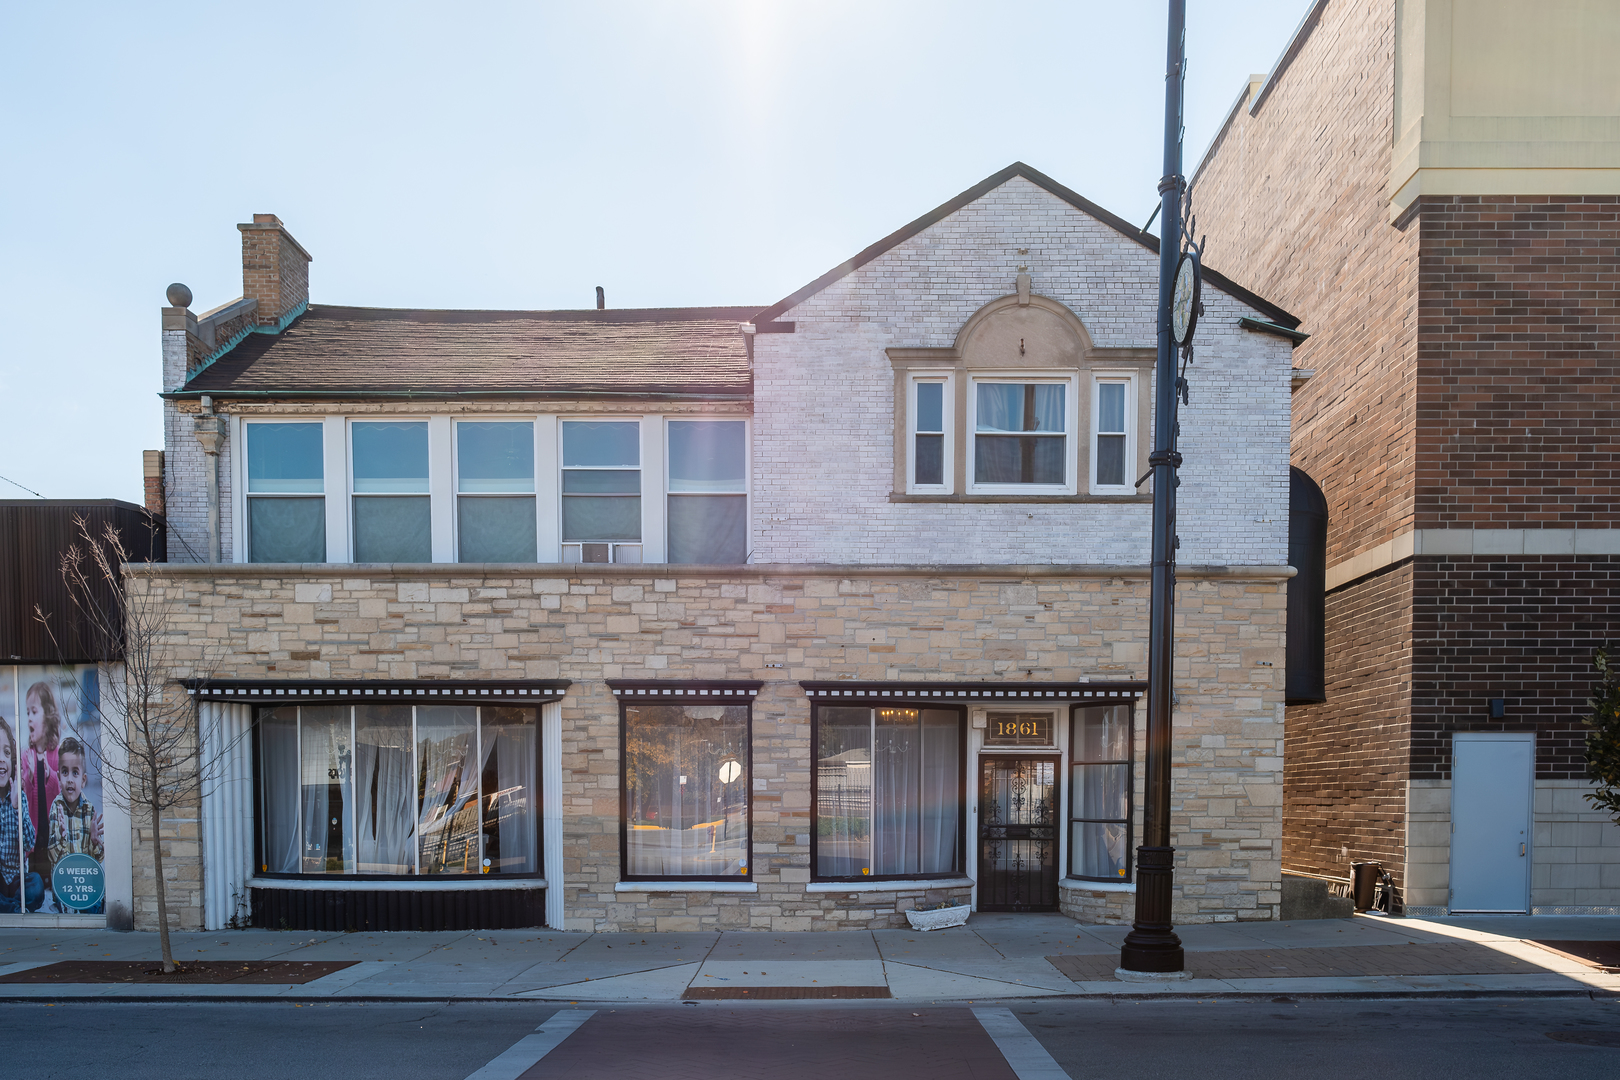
(275, 269)
(152, 470)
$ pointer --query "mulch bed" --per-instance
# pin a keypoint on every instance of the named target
(782, 993)
(213, 972)
(1603, 955)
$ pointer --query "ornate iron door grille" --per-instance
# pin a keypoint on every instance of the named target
(1018, 842)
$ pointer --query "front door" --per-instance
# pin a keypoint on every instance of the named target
(1492, 781)
(1018, 839)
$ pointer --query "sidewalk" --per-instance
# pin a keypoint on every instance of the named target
(993, 957)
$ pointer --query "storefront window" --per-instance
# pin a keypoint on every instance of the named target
(398, 789)
(1100, 793)
(888, 793)
(686, 782)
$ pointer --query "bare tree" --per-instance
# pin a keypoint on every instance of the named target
(148, 721)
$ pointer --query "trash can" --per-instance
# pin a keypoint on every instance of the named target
(1363, 882)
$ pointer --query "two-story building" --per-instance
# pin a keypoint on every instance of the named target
(782, 618)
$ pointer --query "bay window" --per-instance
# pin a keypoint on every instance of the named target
(495, 503)
(888, 793)
(391, 504)
(708, 491)
(398, 790)
(1100, 794)
(286, 484)
(601, 491)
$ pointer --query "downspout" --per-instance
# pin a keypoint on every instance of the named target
(210, 432)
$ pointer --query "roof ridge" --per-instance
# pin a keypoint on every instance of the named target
(984, 187)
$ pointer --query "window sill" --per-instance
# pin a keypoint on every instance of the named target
(686, 886)
(888, 886)
(1079, 885)
(897, 497)
(483, 883)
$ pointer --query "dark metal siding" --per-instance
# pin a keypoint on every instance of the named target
(346, 911)
(1307, 590)
(34, 534)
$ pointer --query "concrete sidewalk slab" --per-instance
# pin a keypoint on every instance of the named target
(662, 984)
(907, 982)
(834, 945)
(790, 973)
(678, 946)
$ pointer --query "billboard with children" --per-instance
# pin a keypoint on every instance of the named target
(51, 826)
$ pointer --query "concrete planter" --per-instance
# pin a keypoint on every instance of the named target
(938, 918)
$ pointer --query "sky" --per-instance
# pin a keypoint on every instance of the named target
(517, 155)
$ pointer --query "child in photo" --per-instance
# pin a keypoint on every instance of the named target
(39, 778)
(75, 824)
(17, 835)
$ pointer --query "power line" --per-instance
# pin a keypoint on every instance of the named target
(14, 483)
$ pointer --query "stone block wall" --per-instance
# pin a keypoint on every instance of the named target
(782, 625)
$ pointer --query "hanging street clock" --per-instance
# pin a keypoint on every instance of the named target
(1186, 302)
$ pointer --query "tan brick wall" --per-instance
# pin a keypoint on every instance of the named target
(782, 627)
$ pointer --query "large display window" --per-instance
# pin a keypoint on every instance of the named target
(686, 782)
(888, 793)
(398, 790)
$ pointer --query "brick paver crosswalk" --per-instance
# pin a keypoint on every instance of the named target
(708, 1042)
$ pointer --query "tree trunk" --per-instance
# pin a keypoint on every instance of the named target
(162, 890)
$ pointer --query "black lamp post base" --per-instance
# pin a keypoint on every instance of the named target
(1152, 944)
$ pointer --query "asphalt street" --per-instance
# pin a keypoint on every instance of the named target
(1391, 1038)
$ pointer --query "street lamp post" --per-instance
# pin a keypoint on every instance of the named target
(1152, 944)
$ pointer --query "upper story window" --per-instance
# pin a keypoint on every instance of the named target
(601, 491)
(286, 504)
(1021, 436)
(931, 462)
(495, 502)
(1113, 406)
(392, 517)
(708, 491)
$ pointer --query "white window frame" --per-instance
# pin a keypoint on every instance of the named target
(1071, 417)
(238, 476)
(641, 467)
(1128, 378)
(664, 493)
(947, 419)
(454, 473)
(436, 475)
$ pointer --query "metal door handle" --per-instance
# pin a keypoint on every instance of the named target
(1521, 849)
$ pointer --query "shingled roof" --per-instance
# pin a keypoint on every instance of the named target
(386, 352)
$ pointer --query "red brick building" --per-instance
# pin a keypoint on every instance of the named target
(1435, 185)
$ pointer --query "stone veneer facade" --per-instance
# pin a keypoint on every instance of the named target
(848, 577)
(780, 624)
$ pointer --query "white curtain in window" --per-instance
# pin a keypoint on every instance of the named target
(447, 825)
(383, 794)
(278, 781)
(509, 796)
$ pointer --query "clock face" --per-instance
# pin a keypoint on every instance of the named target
(1184, 302)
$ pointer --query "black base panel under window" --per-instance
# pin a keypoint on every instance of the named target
(347, 911)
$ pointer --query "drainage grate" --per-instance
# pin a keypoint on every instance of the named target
(780, 993)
